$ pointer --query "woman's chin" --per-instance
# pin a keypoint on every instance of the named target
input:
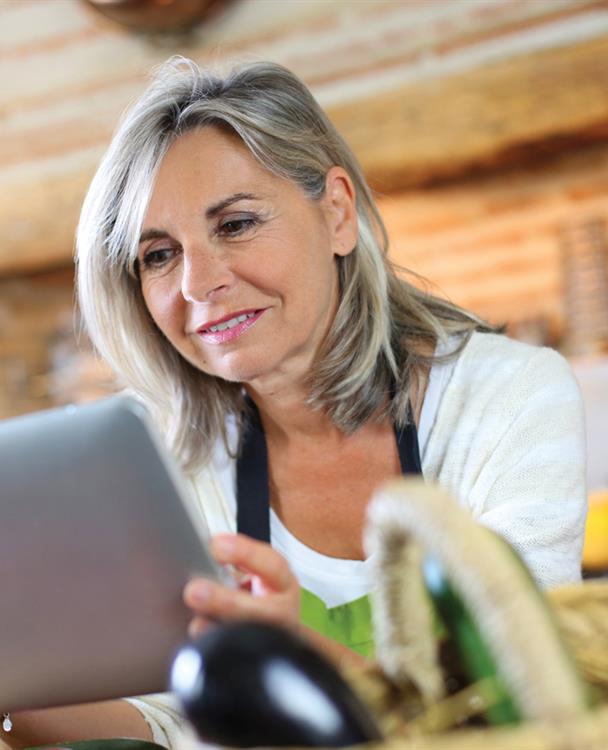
(238, 370)
(261, 365)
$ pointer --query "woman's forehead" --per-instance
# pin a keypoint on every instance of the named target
(213, 160)
(209, 169)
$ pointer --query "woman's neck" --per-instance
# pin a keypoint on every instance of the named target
(286, 417)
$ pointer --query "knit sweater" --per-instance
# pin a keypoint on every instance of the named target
(505, 436)
(508, 441)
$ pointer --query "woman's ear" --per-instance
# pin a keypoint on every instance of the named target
(339, 206)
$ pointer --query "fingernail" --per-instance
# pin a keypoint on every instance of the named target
(223, 544)
(197, 591)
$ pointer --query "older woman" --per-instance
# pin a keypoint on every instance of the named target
(233, 271)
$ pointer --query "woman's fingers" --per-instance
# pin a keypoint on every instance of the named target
(212, 602)
(273, 594)
(256, 558)
(198, 626)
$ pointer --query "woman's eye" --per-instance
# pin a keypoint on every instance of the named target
(158, 257)
(234, 227)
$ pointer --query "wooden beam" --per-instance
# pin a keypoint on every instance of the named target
(422, 133)
(495, 244)
(507, 112)
(39, 218)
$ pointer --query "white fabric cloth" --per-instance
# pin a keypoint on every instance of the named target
(502, 429)
(508, 440)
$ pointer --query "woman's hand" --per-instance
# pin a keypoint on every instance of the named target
(268, 591)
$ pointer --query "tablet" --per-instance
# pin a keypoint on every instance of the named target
(97, 540)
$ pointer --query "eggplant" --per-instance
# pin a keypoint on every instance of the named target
(252, 684)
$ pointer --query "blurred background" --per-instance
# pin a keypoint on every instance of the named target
(482, 125)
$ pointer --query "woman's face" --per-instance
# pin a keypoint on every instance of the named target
(237, 266)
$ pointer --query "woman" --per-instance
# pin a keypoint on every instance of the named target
(233, 270)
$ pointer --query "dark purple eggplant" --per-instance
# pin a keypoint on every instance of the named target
(252, 685)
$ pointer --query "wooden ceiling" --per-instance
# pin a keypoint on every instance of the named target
(423, 91)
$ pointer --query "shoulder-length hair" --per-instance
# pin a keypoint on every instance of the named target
(384, 327)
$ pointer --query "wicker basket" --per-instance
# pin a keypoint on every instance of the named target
(541, 641)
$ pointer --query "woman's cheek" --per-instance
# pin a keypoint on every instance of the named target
(167, 309)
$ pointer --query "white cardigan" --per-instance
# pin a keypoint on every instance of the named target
(502, 429)
(508, 441)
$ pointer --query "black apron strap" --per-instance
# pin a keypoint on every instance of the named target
(252, 496)
(407, 445)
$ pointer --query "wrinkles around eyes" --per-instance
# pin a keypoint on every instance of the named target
(151, 258)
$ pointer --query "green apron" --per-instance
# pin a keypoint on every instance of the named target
(349, 624)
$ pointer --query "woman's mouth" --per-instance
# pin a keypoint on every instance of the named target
(229, 328)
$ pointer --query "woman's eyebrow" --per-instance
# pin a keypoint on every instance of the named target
(215, 209)
(152, 234)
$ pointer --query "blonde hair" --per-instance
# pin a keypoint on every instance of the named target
(374, 346)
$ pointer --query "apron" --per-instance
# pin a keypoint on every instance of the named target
(350, 623)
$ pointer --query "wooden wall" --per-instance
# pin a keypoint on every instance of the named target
(483, 126)
(496, 244)
(422, 89)
(44, 359)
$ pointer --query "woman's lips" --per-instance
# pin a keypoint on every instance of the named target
(229, 329)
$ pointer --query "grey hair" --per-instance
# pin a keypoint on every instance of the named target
(374, 347)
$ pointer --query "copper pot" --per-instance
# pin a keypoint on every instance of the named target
(156, 15)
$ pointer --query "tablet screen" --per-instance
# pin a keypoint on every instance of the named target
(96, 544)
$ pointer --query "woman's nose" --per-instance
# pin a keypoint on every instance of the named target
(205, 273)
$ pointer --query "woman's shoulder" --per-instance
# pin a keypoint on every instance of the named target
(495, 362)
(495, 378)
(482, 345)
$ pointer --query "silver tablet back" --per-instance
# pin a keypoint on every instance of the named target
(96, 544)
